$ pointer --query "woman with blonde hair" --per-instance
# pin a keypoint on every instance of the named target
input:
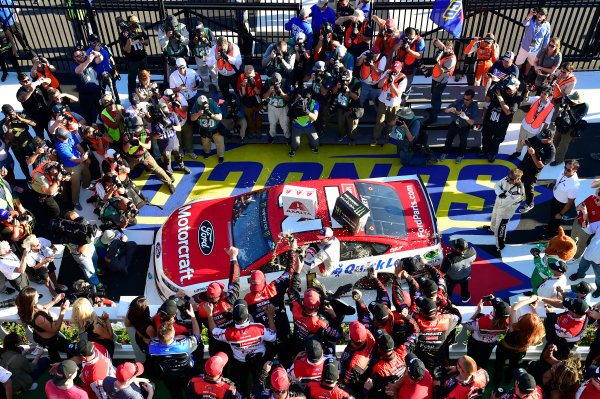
(98, 329)
(46, 330)
(522, 332)
(40, 257)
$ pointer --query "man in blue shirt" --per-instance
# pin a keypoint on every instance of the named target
(300, 25)
(321, 13)
(537, 36)
(86, 81)
(10, 20)
(107, 65)
(75, 160)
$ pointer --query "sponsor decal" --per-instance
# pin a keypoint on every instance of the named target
(414, 205)
(157, 250)
(206, 237)
(298, 208)
(183, 246)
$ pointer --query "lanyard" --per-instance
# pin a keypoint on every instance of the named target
(534, 30)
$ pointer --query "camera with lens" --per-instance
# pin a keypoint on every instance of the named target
(131, 209)
(116, 181)
(301, 46)
(65, 116)
(130, 30)
(401, 121)
(172, 99)
(63, 173)
(336, 70)
(404, 44)
(48, 150)
(223, 54)
(132, 139)
(498, 392)
(355, 31)
(83, 289)
(424, 69)
(250, 82)
(299, 105)
(278, 55)
(502, 84)
(156, 113)
(369, 58)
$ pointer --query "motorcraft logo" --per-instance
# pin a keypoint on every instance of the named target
(206, 237)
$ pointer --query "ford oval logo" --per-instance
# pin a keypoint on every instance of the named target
(157, 250)
(206, 237)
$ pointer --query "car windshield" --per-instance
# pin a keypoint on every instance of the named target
(387, 216)
(251, 233)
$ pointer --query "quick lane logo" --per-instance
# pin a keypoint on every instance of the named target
(183, 249)
(415, 208)
(206, 237)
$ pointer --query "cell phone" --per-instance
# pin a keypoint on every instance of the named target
(309, 280)
(487, 298)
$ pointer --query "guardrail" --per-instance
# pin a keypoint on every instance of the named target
(118, 313)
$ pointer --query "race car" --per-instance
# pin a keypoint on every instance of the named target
(189, 249)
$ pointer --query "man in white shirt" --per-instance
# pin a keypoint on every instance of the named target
(392, 85)
(565, 189)
(185, 81)
(226, 56)
(538, 118)
(328, 256)
(555, 285)
(12, 269)
(591, 257)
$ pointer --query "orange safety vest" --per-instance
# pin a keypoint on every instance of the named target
(364, 71)
(41, 169)
(113, 169)
(437, 69)
(23, 231)
(557, 94)
(348, 42)
(406, 57)
(71, 126)
(97, 141)
(317, 55)
(48, 74)
(386, 44)
(178, 111)
(386, 85)
(221, 62)
(534, 121)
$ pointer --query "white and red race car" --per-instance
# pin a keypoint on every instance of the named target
(188, 251)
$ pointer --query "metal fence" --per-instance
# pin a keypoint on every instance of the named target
(50, 33)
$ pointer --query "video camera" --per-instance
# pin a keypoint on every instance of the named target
(300, 104)
(156, 113)
(172, 98)
(83, 289)
(129, 29)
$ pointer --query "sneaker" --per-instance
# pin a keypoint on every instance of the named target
(340, 139)
(514, 155)
(432, 161)
(595, 155)
(526, 209)
(191, 155)
(465, 300)
(221, 159)
(206, 155)
(373, 143)
(171, 188)
(170, 174)
(100, 271)
(33, 386)
(292, 153)
(315, 150)
(487, 228)
(270, 139)
(4, 76)
(443, 157)
(8, 291)
(574, 277)
(491, 158)
(78, 206)
(185, 170)
(480, 154)
(596, 293)
(242, 140)
(458, 160)
(554, 163)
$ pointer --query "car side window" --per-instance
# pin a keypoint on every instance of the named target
(361, 249)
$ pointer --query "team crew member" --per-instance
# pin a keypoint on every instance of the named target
(456, 268)
(226, 56)
(96, 365)
(591, 388)
(566, 329)
(486, 329)
(437, 332)
(417, 385)
(212, 384)
(509, 194)
(470, 382)
(356, 357)
(389, 368)
(174, 354)
(540, 152)
(525, 387)
(308, 365)
(588, 212)
(488, 52)
(327, 388)
(168, 313)
(280, 384)
(565, 189)
(328, 256)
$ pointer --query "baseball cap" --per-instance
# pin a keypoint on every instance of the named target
(543, 11)
(214, 365)
(414, 366)
(384, 341)
(215, 290)
(110, 153)
(7, 108)
(577, 305)
(397, 66)
(390, 24)
(358, 331)
(428, 286)
(426, 305)
(257, 281)
(411, 265)
(312, 299)
(321, 3)
(508, 56)
(65, 370)
(168, 92)
(279, 379)
(330, 371)
(128, 370)
(489, 36)
(502, 308)
(319, 66)
(525, 381)
(594, 372)
(379, 311)
(180, 62)
(582, 288)
(107, 237)
(325, 233)
(62, 133)
(314, 349)
(240, 311)
(375, 49)
(559, 266)
(545, 134)
(168, 309)
(4, 214)
(83, 348)
(513, 83)
(57, 108)
(304, 12)
(360, 15)
(460, 244)
(202, 99)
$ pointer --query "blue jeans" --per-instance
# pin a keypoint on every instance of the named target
(411, 158)
(368, 92)
(437, 89)
(584, 265)
(87, 265)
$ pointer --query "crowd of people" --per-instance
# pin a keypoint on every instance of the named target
(338, 61)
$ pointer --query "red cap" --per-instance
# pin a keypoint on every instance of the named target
(279, 379)
(215, 290)
(257, 281)
(358, 332)
(214, 365)
(390, 24)
(375, 49)
(397, 66)
(312, 299)
(127, 371)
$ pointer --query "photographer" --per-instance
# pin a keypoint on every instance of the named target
(84, 254)
(178, 107)
(115, 251)
(185, 81)
(206, 115)
(387, 37)
(463, 113)
(12, 269)
(392, 85)
(15, 226)
(569, 123)
(409, 50)
(8, 49)
(97, 142)
(43, 69)
(407, 132)
(112, 116)
(249, 88)
(277, 58)
(136, 143)
(325, 43)
(173, 38)
(47, 179)
(65, 119)
(339, 60)
(146, 91)
(234, 119)
(40, 258)
(304, 111)
(487, 52)
(201, 41)
(502, 101)
(320, 89)
(86, 81)
(371, 66)
(562, 83)
(34, 101)
(15, 133)
(139, 108)
(39, 151)
(56, 97)
(276, 93)
(106, 187)
(133, 39)
(346, 94)
(302, 59)
(107, 69)
(358, 32)
(76, 162)
(165, 126)
(445, 62)
(226, 56)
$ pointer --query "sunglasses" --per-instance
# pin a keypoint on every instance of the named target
(551, 45)
(181, 67)
(569, 170)
(467, 99)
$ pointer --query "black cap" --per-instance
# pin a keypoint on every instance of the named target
(545, 134)
(502, 308)
(330, 371)
(594, 372)
(65, 370)
(240, 311)
(384, 341)
(57, 108)
(426, 305)
(428, 286)
(460, 244)
(93, 38)
(577, 306)
(582, 288)
(559, 266)
(314, 349)
(168, 309)
(81, 348)
(414, 366)
(7, 108)
(379, 311)
(411, 265)
(525, 381)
